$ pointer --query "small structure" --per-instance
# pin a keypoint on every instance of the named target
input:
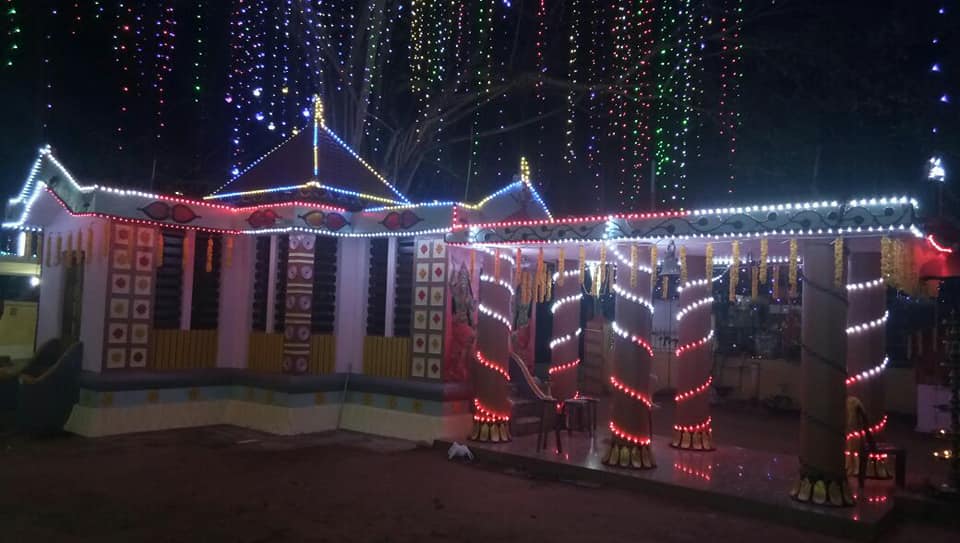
(308, 293)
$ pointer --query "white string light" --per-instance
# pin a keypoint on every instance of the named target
(493, 314)
(633, 297)
(563, 339)
(699, 303)
(865, 285)
(565, 300)
(867, 374)
(869, 325)
(500, 282)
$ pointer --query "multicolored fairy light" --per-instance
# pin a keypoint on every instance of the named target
(12, 49)
(730, 57)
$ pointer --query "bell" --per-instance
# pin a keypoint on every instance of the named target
(670, 266)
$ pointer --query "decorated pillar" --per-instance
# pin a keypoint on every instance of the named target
(299, 303)
(692, 428)
(350, 310)
(565, 344)
(866, 359)
(822, 479)
(491, 417)
(630, 421)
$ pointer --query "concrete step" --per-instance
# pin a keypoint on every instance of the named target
(524, 426)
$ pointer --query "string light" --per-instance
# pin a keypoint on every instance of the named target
(687, 309)
(695, 391)
(876, 283)
(633, 297)
(493, 366)
(642, 343)
(701, 427)
(490, 279)
(636, 440)
(563, 367)
(699, 343)
(633, 393)
(564, 338)
(869, 325)
(565, 300)
(483, 414)
(875, 429)
(13, 34)
(497, 316)
(868, 374)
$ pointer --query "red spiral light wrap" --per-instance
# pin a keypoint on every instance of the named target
(565, 355)
(630, 376)
(492, 403)
(691, 429)
(866, 358)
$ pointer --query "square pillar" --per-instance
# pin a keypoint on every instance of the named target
(350, 315)
(236, 298)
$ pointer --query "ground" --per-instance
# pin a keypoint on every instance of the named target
(224, 484)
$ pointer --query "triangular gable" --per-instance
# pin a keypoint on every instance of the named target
(518, 201)
(315, 155)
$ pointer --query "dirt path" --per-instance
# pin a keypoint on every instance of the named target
(230, 485)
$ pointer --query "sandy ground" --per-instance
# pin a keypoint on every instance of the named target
(223, 484)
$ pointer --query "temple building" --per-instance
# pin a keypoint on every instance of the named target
(308, 293)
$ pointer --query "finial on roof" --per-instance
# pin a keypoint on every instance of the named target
(524, 170)
(318, 110)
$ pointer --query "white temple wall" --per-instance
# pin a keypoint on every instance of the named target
(236, 297)
(52, 276)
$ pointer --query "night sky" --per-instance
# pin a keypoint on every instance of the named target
(836, 99)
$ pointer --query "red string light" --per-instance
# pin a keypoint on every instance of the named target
(705, 475)
(693, 392)
(627, 437)
(563, 367)
(702, 427)
(633, 393)
(875, 429)
(487, 415)
(699, 343)
(493, 366)
(636, 340)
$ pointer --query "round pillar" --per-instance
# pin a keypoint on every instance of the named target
(491, 417)
(630, 420)
(866, 359)
(692, 423)
(565, 344)
(822, 479)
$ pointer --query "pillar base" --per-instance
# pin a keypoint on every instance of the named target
(878, 466)
(624, 454)
(490, 432)
(820, 490)
(701, 440)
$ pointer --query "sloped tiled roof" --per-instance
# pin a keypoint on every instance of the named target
(292, 164)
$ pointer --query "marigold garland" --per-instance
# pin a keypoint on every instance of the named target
(473, 263)
(602, 270)
(634, 272)
(653, 267)
(209, 266)
(838, 263)
(764, 249)
(886, 260)
(754, 283)
(581, 266)
(159, 249)
(541, 289)
(496, 264)
(561, 267)
(683, 265)
(734, 270)
(517, 264)
(792, 270)
(709, 270)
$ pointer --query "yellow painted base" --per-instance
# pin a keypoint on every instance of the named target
(693, 441)
(628, 455)
(823, 492)
(490, 432)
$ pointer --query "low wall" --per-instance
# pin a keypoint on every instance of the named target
(115, 403)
